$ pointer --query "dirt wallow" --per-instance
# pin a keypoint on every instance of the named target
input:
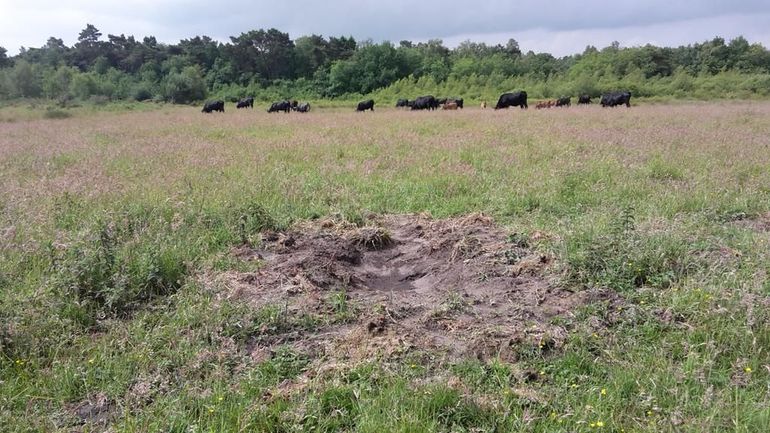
(453, 288)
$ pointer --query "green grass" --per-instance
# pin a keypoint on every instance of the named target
(113, 223)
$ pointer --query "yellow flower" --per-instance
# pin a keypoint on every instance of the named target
(91, 361)
(211, 410)
(600, 423)
(553, 414)
(604, 391)
(542, 372)
(220, 398)
(649, 413)
(747, 369)
(593, 424)
(413, 365)
(574, 385)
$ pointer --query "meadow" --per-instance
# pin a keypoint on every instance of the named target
(124, 232)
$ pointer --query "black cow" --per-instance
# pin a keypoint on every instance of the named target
(303, 107)
(365, 105)
(218, 105)
(425, 103)
(284, 106)
(616, 98)
(584, 99)
(459, 102)
(563, 102)
(512, 100)
(245, 102)
(402, 103)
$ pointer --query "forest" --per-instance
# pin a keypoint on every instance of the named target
(268, 64)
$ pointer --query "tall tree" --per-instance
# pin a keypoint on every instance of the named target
(4, 60)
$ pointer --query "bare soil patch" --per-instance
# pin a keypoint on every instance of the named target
(458, 287)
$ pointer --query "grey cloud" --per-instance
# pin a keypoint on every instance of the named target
(31, 22)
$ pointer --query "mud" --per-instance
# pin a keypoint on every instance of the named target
(455, 288)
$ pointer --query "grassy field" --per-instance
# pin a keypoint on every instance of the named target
(116, 227)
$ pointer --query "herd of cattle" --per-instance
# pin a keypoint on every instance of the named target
(515, 99)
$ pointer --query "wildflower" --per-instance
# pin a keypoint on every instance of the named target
(592, 425)
(642, 302)
(574, 385)
(553, 414)
(211, 410)
(413, 365)
(19, 362)
(220, 398)
(600, 423)
(91, 361)
(542, 372)
(604, 391)
(747, 369)
(649, 413)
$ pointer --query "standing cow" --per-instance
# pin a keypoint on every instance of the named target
(516, 99)
(365, 105)
(284, 106)
(303, 107)
(584, 99)
(401, 103)
(245, 102)
(616, 98)
(563, 102)
(425, 103)
(218, 105)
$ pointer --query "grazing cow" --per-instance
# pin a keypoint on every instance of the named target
(303, 107)
(563, 102)
(294, 104)
(584, 99)
(365, 105)
(450, 106)
(512, 100)
(245, 102)
(402, 103)
(218, 105)
(540, 105)
(616, 98)
(284, 106)
(425, 103)
(483, 104)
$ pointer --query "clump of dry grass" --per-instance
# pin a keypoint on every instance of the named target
(372, 238)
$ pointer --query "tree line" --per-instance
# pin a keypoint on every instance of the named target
(268, 64)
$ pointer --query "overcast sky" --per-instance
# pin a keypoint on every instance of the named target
(560, 27)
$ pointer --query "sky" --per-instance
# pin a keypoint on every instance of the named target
(560, 27)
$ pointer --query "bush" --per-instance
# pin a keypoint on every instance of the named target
(623, 259)
(185, 86)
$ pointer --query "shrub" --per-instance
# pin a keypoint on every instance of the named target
(623, 258)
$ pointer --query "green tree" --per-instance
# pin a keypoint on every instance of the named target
(185, 86)
(4, 60)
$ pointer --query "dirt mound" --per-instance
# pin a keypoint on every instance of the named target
(459, 287)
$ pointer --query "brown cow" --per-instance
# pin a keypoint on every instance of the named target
(450, 106)
(542, 104)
